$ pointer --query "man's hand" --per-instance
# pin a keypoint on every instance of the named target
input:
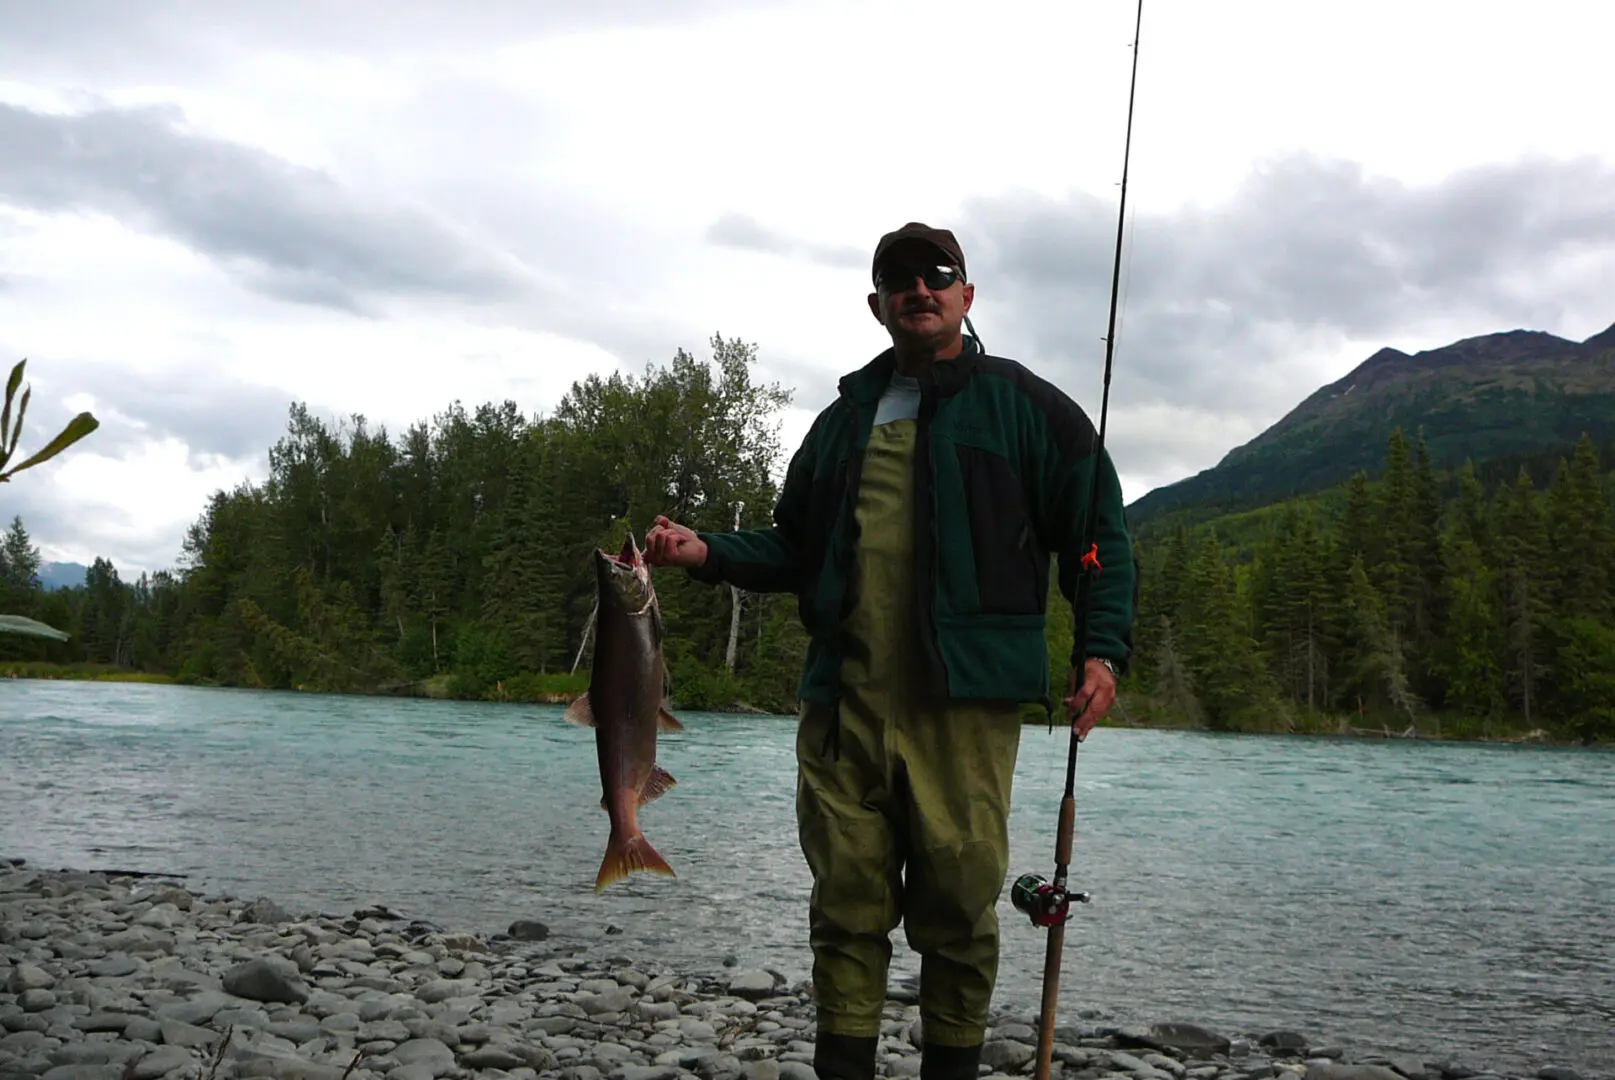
(670, 544)
(1088, 705)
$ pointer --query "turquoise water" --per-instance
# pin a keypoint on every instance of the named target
(1388, 895)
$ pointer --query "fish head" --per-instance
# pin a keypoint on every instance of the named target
(624, 578)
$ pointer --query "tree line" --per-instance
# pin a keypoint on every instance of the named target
(1484, 611)
(455, 561)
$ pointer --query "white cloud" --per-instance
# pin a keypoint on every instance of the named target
(382, 209)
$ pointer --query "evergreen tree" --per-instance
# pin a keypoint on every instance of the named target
(1472, 664)
(1291, 607)
(1580, 532)
(1373, 664)
(1359, 525)
(1525, 588)
(1234, 686)
(19, 566)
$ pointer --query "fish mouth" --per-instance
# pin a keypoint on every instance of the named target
(629, 558)
(626, 576)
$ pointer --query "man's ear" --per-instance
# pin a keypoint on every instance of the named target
(874, 307)
(969, 296)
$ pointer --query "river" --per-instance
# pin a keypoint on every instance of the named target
(1450, 900)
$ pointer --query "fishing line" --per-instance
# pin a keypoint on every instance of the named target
(1127, 275)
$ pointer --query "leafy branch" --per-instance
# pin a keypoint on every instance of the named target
(76, 429)
(80, 426)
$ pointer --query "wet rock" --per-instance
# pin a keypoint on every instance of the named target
(114, 966)
(265, 912)
(1189, 1039)
(492, 1057)
(259, 980)
(26, 977)
(36, 1000)
(1006, 1055)
(161, 1061)
(752, 985)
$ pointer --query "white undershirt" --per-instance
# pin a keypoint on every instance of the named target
(901, 401)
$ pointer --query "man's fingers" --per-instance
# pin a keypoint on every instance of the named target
(1089, 703)
(661, 543)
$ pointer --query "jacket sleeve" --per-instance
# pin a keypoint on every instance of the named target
(767, 559)
(1113, 596)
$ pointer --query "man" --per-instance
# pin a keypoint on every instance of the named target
(915, 525)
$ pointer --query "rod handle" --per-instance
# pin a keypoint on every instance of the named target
(1051, 998)
(1067, 831)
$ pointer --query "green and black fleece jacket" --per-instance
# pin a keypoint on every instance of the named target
(1004, 465)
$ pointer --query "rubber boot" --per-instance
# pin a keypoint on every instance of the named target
(949, 1062)
(846, 1057)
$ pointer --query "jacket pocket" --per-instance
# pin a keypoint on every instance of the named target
(1012, 569)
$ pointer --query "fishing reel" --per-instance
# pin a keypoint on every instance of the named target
(1042, 901)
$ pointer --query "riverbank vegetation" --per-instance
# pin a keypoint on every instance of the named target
(454, 561)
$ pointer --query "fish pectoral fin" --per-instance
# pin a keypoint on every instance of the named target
(656, 785)
(581, 712)
(666, 721)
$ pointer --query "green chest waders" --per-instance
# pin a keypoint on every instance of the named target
(902, 808)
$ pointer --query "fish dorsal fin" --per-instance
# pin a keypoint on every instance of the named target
(666, 721)
(581, 712)
(656, 784)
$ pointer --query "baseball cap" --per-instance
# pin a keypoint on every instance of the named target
(917, 232)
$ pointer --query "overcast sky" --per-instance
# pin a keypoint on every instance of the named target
(209, 210)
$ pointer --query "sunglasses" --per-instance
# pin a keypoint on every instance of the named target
(899, 277)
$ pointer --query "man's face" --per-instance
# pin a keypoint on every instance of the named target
(916, 301)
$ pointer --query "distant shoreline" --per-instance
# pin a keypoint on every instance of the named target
(1034, 717)
(44, 671)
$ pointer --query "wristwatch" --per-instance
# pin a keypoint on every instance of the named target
(1110, 665)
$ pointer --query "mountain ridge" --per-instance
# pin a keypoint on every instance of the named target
(1488, 395)
(61, 575)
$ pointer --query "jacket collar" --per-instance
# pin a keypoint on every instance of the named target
(945, 377)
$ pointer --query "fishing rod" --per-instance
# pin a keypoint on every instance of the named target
(1047, 902)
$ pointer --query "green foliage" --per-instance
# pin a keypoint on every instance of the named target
(76, 429)
(1588, 659)
(456, 558)
(19, 563)
(41, 669)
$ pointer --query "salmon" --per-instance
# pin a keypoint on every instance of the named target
(626, 704)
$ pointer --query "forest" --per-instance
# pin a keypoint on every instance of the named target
(454, 561)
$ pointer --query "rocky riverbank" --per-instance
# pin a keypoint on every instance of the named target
(107, 976)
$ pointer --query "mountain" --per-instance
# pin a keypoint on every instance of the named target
(1509, 393)
(61, 575)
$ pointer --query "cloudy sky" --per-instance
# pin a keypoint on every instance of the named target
(210, 210)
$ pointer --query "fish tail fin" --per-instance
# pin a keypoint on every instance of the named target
(624, 856)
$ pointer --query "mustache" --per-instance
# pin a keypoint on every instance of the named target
(919, 306)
